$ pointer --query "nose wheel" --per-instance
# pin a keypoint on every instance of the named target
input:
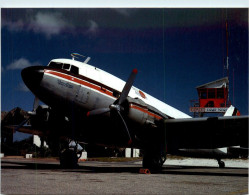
(70, 155)
(68, 159)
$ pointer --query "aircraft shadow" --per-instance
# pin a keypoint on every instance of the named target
(168, 169)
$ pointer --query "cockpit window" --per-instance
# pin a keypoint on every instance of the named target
(59, 65)
(74, 70)
(66, 66)
(55, 65)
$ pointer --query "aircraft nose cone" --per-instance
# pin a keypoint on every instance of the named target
(32, 77)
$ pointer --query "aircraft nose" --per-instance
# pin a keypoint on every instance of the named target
(32, 76)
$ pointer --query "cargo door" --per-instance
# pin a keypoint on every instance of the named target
(82, 96)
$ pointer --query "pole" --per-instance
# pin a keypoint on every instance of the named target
(233, 86)
(227, 64)
(227, 47)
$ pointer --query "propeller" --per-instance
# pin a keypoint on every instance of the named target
(127, 87)
(32, 113)
(125, 127)
(21, 124)
(36, 104)
(98, 111)
(116, 108)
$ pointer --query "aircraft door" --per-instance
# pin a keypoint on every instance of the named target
(82, 95)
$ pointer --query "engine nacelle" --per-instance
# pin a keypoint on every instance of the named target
(40, 117)
(139, 112)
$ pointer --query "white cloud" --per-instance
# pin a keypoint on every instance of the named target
(93, 27)
(45, 23)
(13, 25)
(19, 64)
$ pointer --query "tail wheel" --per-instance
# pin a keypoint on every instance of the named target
(221, 163)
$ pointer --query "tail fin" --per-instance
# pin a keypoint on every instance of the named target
(232, 111)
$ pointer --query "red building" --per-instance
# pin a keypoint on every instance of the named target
(213, 97)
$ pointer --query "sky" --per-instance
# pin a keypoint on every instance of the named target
(174, 50)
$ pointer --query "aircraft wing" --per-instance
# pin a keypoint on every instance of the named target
(25, 129)
(206, 133)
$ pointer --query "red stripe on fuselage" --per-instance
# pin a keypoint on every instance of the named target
(145, 111)
(79, 81)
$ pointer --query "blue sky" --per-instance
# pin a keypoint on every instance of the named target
(174, 50)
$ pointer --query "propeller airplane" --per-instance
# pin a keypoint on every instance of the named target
(89, 105)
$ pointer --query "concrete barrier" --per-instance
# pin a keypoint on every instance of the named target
(132, 153)
(83, 156)
(28, 156)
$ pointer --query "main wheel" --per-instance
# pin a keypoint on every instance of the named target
(153, 162)
(68, 159)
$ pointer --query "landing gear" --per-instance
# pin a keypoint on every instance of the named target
(153, 162)
(221, 163)
(69, 156)
(155, 152)
(68, 159)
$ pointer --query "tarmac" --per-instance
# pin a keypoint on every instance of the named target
(44, 176)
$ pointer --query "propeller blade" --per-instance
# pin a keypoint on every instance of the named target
(116, 108)
(36, 104)
(98, 111)
(125, 127)
(21, 124)
(127, 86)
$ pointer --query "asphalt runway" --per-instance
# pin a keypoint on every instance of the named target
(32, 176)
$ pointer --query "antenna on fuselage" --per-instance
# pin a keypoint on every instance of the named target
(76, 55)
(87, 60)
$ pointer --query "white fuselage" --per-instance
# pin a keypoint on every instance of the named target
(81, 89)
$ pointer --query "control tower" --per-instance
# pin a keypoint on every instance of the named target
(212, 98)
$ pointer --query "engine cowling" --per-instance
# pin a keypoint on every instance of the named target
(140, 112)
(41, 116)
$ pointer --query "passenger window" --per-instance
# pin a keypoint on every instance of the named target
(74, 70)
(55, 65)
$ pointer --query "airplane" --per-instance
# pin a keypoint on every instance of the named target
(88, 105)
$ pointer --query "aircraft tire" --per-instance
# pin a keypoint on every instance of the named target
(68, 159)
(153, 162)
(221, 164)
